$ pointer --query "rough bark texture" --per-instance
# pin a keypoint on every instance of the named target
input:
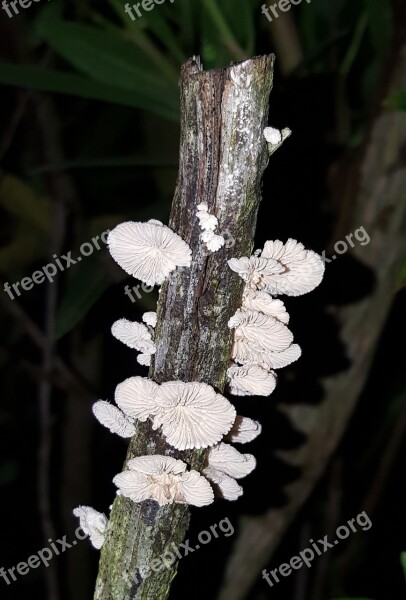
(379, 207)
(222, 158)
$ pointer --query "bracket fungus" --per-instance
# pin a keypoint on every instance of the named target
(93, 523)
(150, 318)
(256, 334)
(111, 417)
(148, 251)
(165, 480)
(228, 460)
(224, 486)
(281, 269)
(134, 335)
(192, 415)
(243, 431)
(250, 380)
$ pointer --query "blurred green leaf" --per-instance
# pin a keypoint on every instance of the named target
(38, 79)
(379, 25)
(403, 562)
(106, 57)
(397, 101)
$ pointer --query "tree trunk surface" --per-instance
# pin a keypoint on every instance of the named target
(223, 154)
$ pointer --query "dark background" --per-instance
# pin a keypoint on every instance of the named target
(89, 138)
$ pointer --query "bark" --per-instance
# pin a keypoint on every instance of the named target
(222, 158)
(381, 210)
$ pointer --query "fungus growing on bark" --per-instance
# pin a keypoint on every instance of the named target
(257, 334)
(134, 335)
(263, 302)
(148, 251)
(228, 460)
(93, 523)
(224, 486)
(213, 241)
(281, 269)
(164, 479)
(192, 415)
(150, 319)
(112, 418)
(136, 397)
(250, 380)
(243, 431)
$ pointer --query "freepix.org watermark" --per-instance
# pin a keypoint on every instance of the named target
(50, 270)
(169, 557)
(279, 7)
(341, 246)
(42, 557)
(146, 5)
(318, 548)
(7, 6)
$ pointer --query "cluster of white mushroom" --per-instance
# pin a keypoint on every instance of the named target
(262, 340)
(193, 415)
(208, 224)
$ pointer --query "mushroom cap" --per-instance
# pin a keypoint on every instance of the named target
(136, 397)
(213, 241)
(256, 334)
(255, 270)
(93, 523)
(150, 318)
(164, 479)
(272, 135)
(250, 380)
(112, 418)
(244, 430)
(303, 269)
(263, 302)
(224, 486)
(144, 359)
(228, 460)
(134, 335)
(207, 221)
(192, 415)
(279, 360)
(148, 251)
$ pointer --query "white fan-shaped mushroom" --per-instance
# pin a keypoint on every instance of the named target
(244, 430)
(150, 318)
(279, 360)
(250, 380)
(192, 415)
(136, 397)
(134, 335)
(303, 269)
(194, 490)
(207, 221)
(163, 479)
(272, 135)
(112, 418)
(144, 359)
(255, 271)
(148, 251)
(263, 302)
(228, 460)
(256, 334)
(224, 486)
(213, 241)
(93, 523)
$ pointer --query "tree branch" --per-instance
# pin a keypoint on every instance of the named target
(222, 158)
